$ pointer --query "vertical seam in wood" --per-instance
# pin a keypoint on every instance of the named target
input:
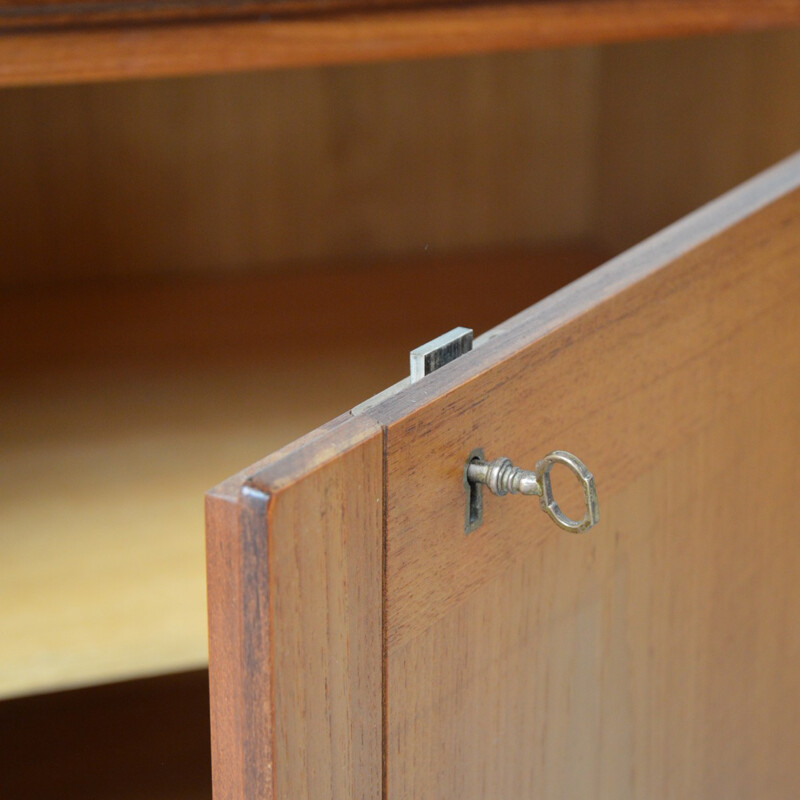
(271, 643)
(384, 644)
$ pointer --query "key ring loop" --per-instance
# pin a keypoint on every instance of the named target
(586, 479)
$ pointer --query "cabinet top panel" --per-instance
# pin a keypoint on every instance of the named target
(56, 41)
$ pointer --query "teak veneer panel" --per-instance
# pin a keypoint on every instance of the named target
(699, 316)
(682, 121)
(295, 568)
(242, 173)
(523, 662)
(657, 660)
(180, 49)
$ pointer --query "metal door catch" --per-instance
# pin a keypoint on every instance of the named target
(501, 477)
(439, 351)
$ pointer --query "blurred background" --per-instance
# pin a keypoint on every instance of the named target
(196, 271)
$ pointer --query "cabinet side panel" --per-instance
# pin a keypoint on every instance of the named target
(295, 587)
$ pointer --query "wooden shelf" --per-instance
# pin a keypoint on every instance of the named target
(123, 402)
(167, 38)
(101, 512)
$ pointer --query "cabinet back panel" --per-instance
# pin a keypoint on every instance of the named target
(238, 172)
(681, 122)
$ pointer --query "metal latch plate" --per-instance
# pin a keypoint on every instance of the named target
(440, 351)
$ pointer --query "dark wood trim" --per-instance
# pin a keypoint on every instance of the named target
(54, 14)
(34, 55)
(137, 739)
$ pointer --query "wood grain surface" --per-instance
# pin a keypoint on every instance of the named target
(264, 172)
(523, 662)
(295, 566)
(680, 122)
(36, 56)
(44, 14)
(253, 172)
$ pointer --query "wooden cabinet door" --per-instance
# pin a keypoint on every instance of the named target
(364, 646)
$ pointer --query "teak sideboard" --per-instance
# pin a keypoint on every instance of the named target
(222, 224)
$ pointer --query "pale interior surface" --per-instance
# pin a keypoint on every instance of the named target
(101, 503)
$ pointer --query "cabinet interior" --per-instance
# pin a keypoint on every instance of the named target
(136, 740)
(197, 271)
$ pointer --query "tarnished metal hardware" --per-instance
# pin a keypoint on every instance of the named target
(439, 351)
(501, 477)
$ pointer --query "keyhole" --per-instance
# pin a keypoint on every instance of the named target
(474, 514)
